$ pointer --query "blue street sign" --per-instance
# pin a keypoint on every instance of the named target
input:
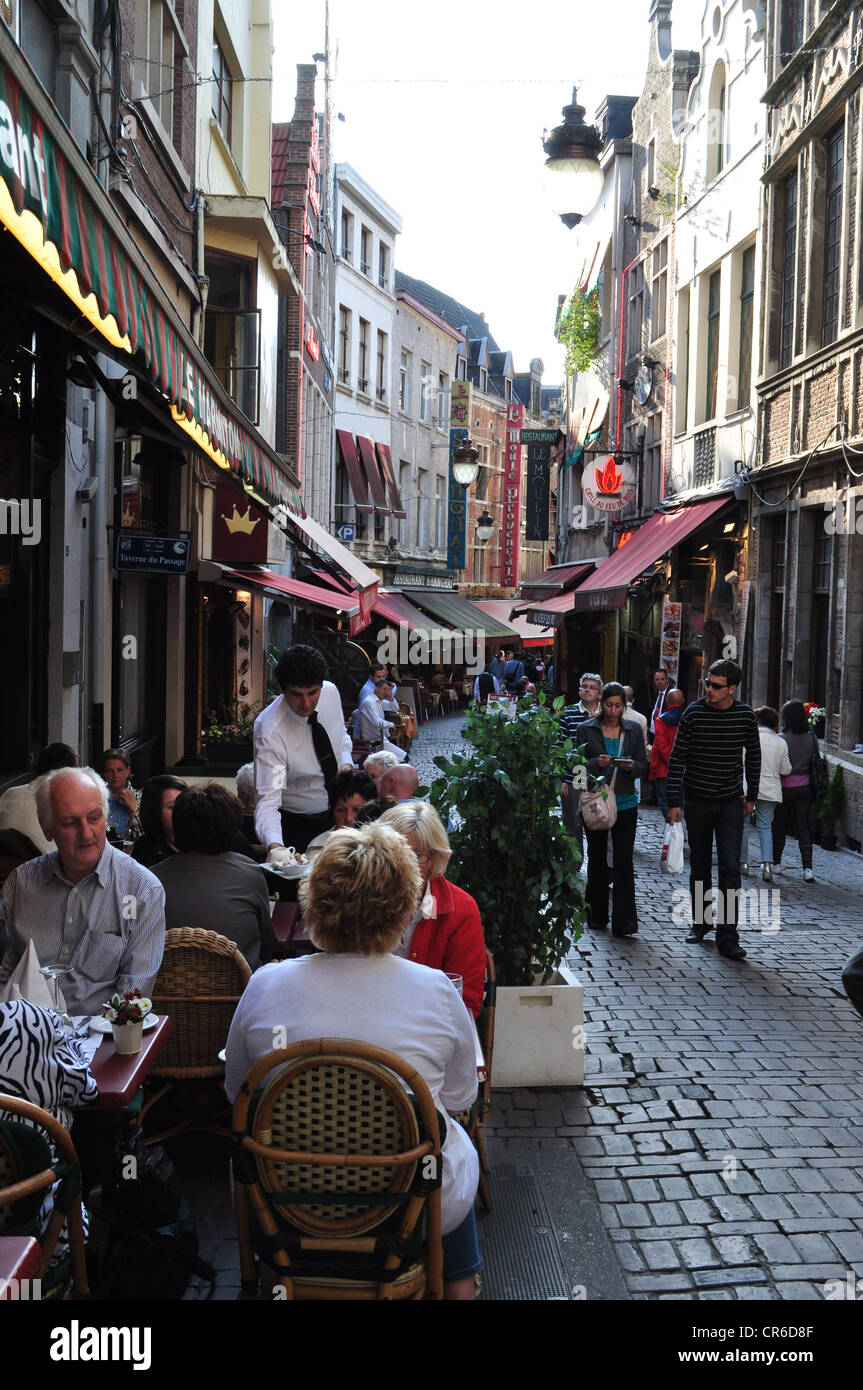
(345, 533)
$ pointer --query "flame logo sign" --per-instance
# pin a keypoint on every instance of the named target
(609, 478)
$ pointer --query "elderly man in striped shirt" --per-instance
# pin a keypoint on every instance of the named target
(91, 911)
(714, 736)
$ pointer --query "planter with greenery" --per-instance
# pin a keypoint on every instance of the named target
(228, 733)
(579, 329)
(512, 853)
(831, 808)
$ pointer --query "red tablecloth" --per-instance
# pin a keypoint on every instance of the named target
(19, 1259)
(119, 1076)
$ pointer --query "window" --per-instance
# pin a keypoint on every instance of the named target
(383, 265)
(423, 508)
(777, 611)
(223, 90)
(636, 307)
(832, 235)
(482, 477)
(716, 124)
(653, 459)
(790, 29)
(682, 394)
(659, 289)
(365, 251)
(347, 235)
(363, 378)
(344, 343)
(442, 400)
(382, 365)
(819, 623)
(232, 332)
(788, 262)
(159, 52)
(747, 291)
(405, 382)
(651, 163)
(426, 382)
(440, 505)
(713, 287)
(404, 489)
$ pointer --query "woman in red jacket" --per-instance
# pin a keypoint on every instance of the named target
(446, 932)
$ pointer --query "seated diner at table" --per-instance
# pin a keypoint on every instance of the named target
(360, 893)
(156, 813)
(376, 764)
(124, 822)
(91, 912)
(209, 885)
(444, 929)
(349, 792)
(18, 804)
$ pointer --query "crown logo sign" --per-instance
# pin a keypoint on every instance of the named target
(237, 522)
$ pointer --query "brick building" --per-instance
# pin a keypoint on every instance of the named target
(808, 557)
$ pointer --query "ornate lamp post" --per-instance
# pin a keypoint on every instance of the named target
(465, 463)
(485, 526)
(573, 175)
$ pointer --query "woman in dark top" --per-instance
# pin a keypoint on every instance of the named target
(605, 737)
(796, 787)
(156, 813)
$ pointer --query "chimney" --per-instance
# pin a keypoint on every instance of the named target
(660, 23)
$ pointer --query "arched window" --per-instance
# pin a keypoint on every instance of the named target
(716, 124)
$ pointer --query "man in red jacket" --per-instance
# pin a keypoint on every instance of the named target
(665, 732)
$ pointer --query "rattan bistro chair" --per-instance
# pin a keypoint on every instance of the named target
(474, 1119)
(28, 1170)
(199, 985)
(335, 1165)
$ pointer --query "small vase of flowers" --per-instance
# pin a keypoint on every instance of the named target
(817, 716)
(127, 1013)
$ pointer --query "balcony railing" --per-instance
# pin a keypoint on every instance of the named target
(704, 470)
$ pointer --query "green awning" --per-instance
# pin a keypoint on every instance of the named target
(460, 614)
(578, 453)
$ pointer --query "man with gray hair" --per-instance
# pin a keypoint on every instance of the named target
(91, 911)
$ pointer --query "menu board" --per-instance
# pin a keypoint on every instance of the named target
(669, 641)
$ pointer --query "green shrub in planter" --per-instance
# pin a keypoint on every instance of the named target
(510, 848)
(832, 806)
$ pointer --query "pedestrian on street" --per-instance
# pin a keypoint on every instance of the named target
(663, 742)
(634, 714)
(706, 764)
(590, 689)
(661, 685)
(606, 740)
(512, 673)
(498, 665)
(796, 787)
(775, 764)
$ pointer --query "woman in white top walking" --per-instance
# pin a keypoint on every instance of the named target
(775, 764)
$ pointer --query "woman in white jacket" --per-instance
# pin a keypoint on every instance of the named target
(775, 764)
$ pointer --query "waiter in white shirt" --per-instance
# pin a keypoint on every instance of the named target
(662, 685)
(301, 743)
(374, 725)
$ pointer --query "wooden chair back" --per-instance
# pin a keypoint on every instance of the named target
(199, 985)
(335, 1165)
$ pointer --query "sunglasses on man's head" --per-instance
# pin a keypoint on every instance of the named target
(716, 685)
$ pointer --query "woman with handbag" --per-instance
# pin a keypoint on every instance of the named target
(797, 787)
(613, 749)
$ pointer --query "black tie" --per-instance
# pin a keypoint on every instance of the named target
(323, 749)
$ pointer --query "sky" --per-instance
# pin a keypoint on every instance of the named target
(444, 108)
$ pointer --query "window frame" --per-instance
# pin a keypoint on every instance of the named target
(345, 328)
(788, 267)
(712, 345)
(161, 102)
(834, 201)
(363, 355)
(405, 364)
(220, 97)
(747, 316)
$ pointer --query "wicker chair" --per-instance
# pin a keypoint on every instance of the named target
(474, 1119)
(28, 1170)
(335, 1164)
(199, 985)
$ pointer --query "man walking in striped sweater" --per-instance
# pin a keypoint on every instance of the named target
(706, 764)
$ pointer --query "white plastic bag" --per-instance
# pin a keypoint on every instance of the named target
(671, 858)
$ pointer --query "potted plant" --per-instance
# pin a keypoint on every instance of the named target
(817, 716)
(513, 854)
(832, 806)
(127, 1012)
(228, 733)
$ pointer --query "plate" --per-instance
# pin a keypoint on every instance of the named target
(287, 870)
(103, 1025)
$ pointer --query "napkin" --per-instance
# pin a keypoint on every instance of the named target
(26, 982)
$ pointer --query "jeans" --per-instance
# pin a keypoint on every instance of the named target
(624, 919)
(764, 812)
(724, 820)
(659, 786)
(794, 810)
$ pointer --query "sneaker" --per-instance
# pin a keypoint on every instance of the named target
(808, 876)
(767, 874)
(732, 952)
(696, 934)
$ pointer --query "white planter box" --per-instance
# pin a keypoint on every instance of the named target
(539, 1033)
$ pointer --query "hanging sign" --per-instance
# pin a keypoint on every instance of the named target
(609, 483)
(511, 514)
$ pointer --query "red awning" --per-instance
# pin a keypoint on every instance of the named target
(356, 476)
(281, 586)
(373, 473)
(500, 609)
(386, 461)
(548, 612)
(555, 580)
(660, 533)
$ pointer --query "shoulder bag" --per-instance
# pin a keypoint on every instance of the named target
(599, 807)
(818, 775)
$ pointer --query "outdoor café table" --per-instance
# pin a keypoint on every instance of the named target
(19, 1258)
(290, 931)
(120, 1076)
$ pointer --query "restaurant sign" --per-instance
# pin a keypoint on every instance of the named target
(456, 535)
(608, 484)
(52, 203)
(153, 554)
(511, 516)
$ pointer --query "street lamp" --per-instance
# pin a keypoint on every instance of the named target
(485, 526)
(465, 464)
(573, 176)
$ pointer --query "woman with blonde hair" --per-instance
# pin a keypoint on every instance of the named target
(376, 764)
(445, 930)
(361, 892)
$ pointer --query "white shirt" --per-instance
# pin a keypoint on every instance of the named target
(632, 713)
(18, 812)
(400, 1005)
(775, 764)
(365, 691)
(287, 772)
(658, 708)
(374, 725)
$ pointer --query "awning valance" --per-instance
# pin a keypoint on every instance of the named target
(461, 615)
(359, 574)
(550, 612)
(53, 204)
(555, 579)
(309, 596)
(607, 588)
(528, 636)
